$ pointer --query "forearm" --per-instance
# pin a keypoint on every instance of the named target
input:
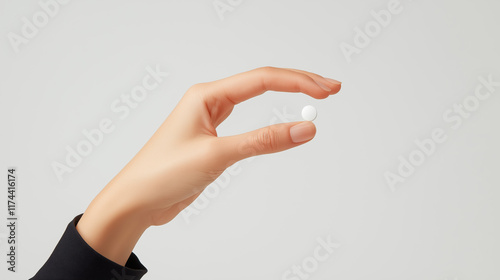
(113, 223)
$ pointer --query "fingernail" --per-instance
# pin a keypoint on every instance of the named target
(334, 81)
(302, 132)
(323, 86)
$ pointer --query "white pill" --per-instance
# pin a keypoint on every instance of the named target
(309, 113)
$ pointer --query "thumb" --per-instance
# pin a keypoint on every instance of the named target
(266, 140)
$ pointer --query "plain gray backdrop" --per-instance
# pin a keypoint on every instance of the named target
(441, 222)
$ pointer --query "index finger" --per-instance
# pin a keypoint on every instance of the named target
(246, 85)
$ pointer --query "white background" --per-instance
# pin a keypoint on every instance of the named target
(441, 223)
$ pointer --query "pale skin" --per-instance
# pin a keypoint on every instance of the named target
(185, 155)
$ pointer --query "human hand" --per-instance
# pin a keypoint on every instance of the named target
(185, 154)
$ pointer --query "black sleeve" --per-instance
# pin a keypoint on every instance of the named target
(74, 259)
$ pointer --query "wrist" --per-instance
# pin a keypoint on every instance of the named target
(112, 224)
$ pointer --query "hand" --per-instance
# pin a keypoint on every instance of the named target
(185, 155)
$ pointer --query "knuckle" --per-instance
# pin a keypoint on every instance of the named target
(196, 88)
(267, 69)
(264, 73)
(267, 138)
(198, 92)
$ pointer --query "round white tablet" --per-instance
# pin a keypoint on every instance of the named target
(309, 113)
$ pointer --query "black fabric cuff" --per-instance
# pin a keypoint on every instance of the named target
(74, 259)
